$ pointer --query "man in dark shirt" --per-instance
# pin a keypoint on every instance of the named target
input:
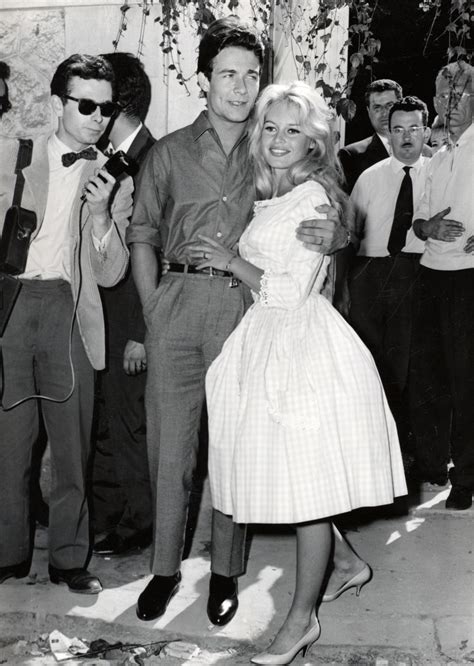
(196, 181)
(355, 158)
(121, 478)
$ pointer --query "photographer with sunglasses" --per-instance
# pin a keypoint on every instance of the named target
(54, 338)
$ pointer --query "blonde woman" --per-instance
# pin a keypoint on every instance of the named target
(299, 426)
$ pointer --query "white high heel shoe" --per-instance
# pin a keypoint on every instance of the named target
(357, 581)
(310, 637)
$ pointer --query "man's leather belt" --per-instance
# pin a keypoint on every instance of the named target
(188, 268)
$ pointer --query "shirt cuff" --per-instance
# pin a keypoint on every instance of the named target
(101, 244)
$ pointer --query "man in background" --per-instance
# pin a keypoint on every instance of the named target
(355, 158)
(443, 367)
(121, 477)
(383, 281)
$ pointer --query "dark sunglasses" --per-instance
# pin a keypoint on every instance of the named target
(88, 106)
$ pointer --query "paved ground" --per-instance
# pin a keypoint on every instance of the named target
(417, 610)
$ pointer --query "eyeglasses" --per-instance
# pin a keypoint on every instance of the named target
(398, 131)
(453, 95)
(88, 106)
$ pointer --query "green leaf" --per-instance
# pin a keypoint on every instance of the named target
(346, 108)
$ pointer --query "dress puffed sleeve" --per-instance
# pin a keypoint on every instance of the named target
(288, 282)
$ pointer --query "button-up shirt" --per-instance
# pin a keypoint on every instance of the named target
(189, 186)
(49, 254)
(450, 183)
(374, 197)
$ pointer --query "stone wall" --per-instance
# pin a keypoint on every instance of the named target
(32, 43)
(34, 40)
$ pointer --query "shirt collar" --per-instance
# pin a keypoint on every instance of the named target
(57, 148)
(466, 136)
(202, 125)
(126, 143)
(398, 166)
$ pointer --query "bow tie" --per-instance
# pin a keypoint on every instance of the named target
(68, 159)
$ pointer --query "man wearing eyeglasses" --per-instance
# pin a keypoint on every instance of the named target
(54, 338)
(383, 277)
(355, 158)
(445, 326)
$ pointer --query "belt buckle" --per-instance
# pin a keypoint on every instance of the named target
(233, 282)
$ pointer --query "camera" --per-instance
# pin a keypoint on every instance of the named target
(15, 241)
(121, 163)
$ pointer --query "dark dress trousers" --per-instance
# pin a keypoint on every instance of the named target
(122, 494)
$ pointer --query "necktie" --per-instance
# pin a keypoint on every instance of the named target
(68, 159)
(403, 216)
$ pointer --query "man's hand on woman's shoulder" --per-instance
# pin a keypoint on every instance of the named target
(325, 234)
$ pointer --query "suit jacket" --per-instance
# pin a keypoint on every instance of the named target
(122, 307)
(357, 157)
(89, 267)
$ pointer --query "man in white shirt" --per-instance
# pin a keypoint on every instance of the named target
(445, 326)
(355, 158)
(383, 277)
(54, 338)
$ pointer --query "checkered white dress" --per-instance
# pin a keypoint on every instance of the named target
(299, 426)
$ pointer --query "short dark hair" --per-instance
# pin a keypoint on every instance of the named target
(4, 70)
(228, 31)
(133, 88)
(84, 66)
(381, 85)
(409, 103)
(4, 75)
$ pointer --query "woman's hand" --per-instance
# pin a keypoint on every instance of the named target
(209, 252)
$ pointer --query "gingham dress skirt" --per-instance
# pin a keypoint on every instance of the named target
(299, 425)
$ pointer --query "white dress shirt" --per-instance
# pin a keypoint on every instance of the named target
(49, 252)
(449, 182)
(374, 197)
(126, 143)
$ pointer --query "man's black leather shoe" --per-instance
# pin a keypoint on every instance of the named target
(115, 544)
(223, 602)
(77, 580)
(459, 498)
(14, 571)
(155, 598)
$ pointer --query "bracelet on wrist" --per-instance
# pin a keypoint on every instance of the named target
(229, 263)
